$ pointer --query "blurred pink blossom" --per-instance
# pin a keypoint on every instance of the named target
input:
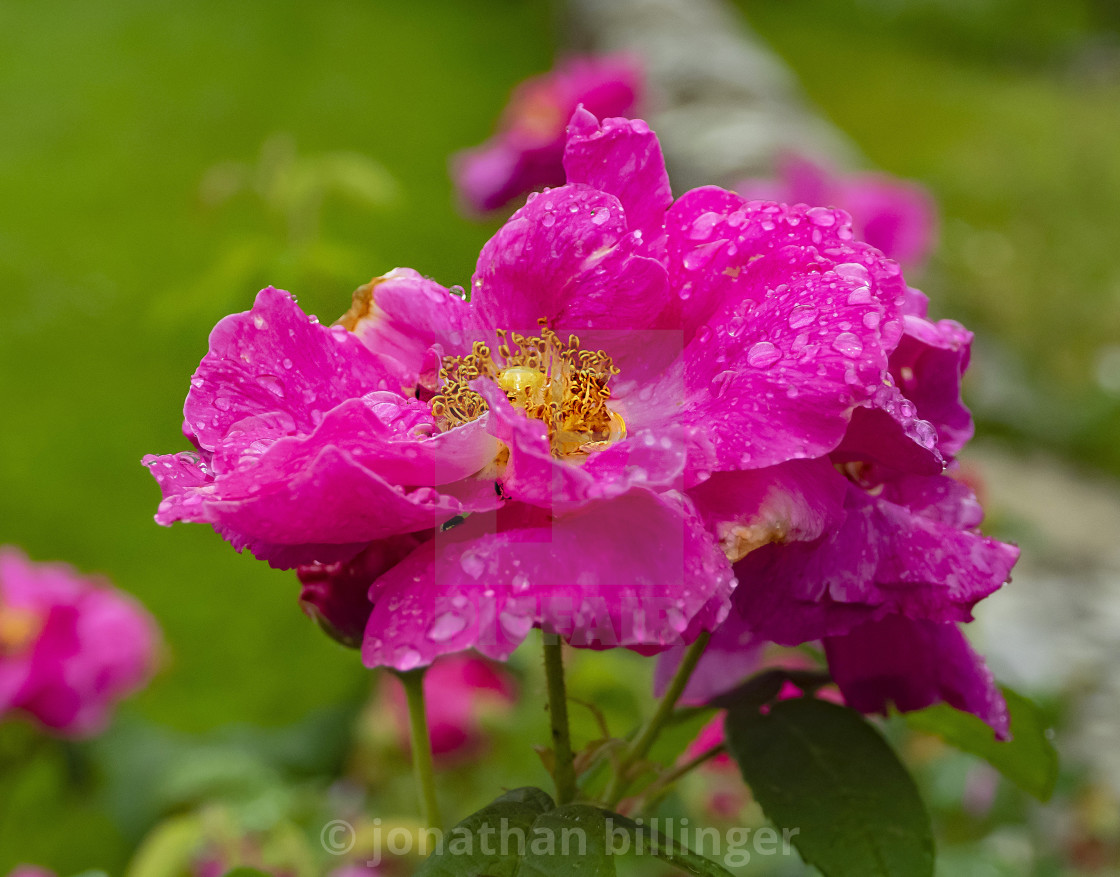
(70, 646)
(527, 152)
(897, 216)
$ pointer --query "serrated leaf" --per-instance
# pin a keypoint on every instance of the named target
(822, 771)
(1028, 759)
(475, 845)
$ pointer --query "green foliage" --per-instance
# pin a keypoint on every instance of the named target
(1029, 759)
(821, 770)
(524, 834)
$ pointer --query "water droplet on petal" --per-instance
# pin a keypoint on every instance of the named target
(822, 216)
(273, 384)
(600, 216)
(472, 564)
(259, 321)
(860, 296)
(406, 658)
(763, 355)
(703, 225)
(446, 626)
(871, 320)
(854, 271)
(516, 626)
(802, 315)
(848, 345)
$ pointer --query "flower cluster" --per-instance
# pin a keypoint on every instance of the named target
(527, 153)
(70, 646)
(643, 401)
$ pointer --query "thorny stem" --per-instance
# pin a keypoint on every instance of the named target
(652, 728)
(564, 769)
(422, 768)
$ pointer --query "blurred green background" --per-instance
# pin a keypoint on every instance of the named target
(160, 162)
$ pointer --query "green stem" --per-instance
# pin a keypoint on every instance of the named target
(652, 728)
(422, 767)
(662, 783)
(564, 770)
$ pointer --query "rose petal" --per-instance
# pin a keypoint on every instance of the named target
(634, 572)
(567, 257)
(623, 158)
(401, 315)
(914, 664)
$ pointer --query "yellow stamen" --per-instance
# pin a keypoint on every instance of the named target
(551, 379)
(18, 629)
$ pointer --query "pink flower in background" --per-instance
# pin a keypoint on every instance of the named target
(897, 216)
(70, 646)
(638, 393)
(460, 691)
(527, 152)
(31, 871)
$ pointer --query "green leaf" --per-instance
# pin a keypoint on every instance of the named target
(824, 775)
(666, 849)
(475, 845)
(246, 872)
(1028, 759)
(523, 834)
(570, 841)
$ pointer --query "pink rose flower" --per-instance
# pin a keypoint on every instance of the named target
(638, 393)
(897, 216)
(527, 153)
(70, 646)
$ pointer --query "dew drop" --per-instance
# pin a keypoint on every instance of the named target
(446, 626)
(598, 217)
(802, 315)
(763, 355)
(822, 216)
(848, 345)
(854, 271)
(472, 564)
(406, 658)
(516, 626)
(273, 384)
(860, 296)
(703, 226)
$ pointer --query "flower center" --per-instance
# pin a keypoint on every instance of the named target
(18, 629)
(552, 380)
